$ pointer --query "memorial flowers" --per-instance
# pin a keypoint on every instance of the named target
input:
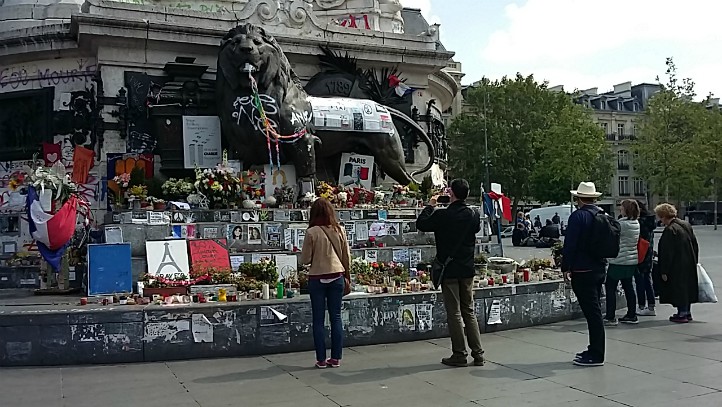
(177, 189)
(54, 179)
(219, 185)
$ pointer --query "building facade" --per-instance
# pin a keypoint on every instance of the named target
(618, 113)
(116, 77)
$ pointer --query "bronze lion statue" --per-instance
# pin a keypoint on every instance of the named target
(312, 127)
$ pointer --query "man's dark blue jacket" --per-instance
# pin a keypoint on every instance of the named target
(575, 252)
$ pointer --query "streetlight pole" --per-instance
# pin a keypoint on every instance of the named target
(486, 141)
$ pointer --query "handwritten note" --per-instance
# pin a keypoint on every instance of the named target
(210, 253)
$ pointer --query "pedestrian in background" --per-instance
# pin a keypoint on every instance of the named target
(678, 258)
(325, 248)
(643, 278)
(622, 268)
(455, 229)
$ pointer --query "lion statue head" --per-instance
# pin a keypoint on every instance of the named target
(246, 49)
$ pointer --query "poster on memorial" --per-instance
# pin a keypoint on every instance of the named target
(254, 234)
(425, 317)
(201, 141)
(285, 177)
(494, 313)
(401, 255)
(362, 231)
(414, 257)
(209, 254)
(407, 317)
(371, 255)
(184, 231)
(167, 258)
(356, 170)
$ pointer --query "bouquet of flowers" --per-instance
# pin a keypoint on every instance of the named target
(220, 185)
(139, 192)
(177, 188)
(54, 179)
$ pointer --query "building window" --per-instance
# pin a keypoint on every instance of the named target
(640, 189)
(624, 186)
(25, 122)
(620, 131)
(623, 160)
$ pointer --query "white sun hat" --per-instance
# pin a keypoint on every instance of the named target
(586, 190)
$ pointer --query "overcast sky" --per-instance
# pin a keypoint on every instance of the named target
(582, 44)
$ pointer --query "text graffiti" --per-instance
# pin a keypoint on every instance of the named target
(244, 107)
(45, 77)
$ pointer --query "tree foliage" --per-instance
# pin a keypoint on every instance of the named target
(539, 141)
(676, 142)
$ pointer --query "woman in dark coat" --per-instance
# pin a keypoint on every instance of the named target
(678, 257)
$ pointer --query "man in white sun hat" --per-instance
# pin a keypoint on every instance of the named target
(588, 242)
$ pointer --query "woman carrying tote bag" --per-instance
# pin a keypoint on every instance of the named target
(325, 248)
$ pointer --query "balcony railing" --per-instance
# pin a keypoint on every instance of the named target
(624, 167)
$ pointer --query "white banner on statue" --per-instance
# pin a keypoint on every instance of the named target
(201, 141)
(356, 170)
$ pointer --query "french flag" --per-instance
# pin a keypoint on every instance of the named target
(52, 232)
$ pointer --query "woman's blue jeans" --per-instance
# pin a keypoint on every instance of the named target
(327, 296)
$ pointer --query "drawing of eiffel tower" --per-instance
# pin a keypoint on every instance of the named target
(171, 262)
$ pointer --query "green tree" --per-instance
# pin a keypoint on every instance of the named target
(539, 141)
(668, 147)
(709, 145)
(574, 149)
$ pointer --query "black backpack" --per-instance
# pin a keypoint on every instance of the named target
(603, 241)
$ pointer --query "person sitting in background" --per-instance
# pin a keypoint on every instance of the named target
(550, 231)
(519, 235)
(537, 222)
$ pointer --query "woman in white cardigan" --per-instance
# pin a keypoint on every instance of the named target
(622, 268)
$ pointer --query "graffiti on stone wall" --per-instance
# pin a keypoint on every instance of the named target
(46, 76)
(355, 21)
(143, 91)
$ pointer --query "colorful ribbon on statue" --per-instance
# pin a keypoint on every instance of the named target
(269, 131)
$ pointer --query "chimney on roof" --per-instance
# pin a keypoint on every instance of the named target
(590, 92)
(623, 89)
(558, 88)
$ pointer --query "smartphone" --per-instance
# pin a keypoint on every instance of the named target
(443, 199)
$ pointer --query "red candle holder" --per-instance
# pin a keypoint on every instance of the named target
(503, 279)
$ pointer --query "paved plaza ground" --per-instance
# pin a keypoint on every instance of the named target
(654, 363)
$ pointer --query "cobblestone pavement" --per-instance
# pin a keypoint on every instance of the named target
(654, 363)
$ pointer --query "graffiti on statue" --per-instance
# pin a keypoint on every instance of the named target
(51, 74)
(143, 91)
(245, 108)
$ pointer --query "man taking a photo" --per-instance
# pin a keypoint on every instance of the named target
(454, 229)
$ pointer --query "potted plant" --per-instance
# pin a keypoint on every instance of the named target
(157, 203)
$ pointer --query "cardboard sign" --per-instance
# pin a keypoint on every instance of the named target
(275, 178)
(209, 253)
(167, 258)
(109, 269)
(356, 170)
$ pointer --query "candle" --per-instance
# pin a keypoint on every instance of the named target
(503, 279)
(526, 275)
(83, 301)
(266, 293)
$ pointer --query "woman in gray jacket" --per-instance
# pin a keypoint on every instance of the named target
(623, 267)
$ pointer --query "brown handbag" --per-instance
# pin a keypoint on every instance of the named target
(346, 273)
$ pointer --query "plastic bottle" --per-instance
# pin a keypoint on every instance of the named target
(279, 290)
